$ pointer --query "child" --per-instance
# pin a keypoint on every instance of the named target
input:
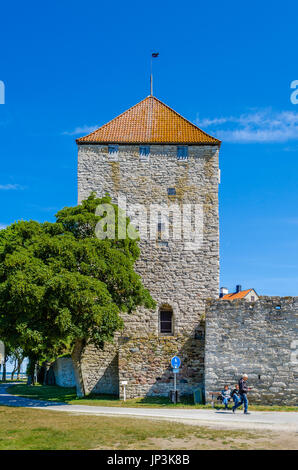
(236, 394)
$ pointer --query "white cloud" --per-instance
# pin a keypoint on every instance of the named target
(258, 126)
(2, 226)
(8, 187)
(215, 121)
(81, 130)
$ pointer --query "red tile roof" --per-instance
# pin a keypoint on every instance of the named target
(149, 121)
(236, 295)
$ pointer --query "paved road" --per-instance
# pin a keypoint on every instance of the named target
(271, 420)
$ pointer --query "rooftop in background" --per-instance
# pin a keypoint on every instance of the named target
(149, 121)
(242, 294)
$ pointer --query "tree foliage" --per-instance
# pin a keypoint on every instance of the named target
(60, 283)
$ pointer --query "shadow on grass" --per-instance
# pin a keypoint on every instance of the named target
(9, 381)
(50, 393)
(53, 393)
(23, 400)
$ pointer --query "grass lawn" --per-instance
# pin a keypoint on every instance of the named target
(30, 429)
(68, 395)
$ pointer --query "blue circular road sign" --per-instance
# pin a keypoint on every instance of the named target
(175, 362)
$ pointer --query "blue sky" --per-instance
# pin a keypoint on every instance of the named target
(227, 66)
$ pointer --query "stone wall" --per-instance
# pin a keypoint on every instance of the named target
(64, 373)
(144, 362)
(100, 369)
(175, 276)
(257, 338)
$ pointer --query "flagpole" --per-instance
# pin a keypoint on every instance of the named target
(153, 54)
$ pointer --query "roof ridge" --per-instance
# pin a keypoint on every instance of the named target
(150, 116)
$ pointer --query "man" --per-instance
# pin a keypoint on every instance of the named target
(243, 389)
(226, 396)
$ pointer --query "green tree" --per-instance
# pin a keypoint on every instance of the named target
(16, 358)
(61, 286)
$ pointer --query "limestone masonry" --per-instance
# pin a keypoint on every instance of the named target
(184, 282)
(176, 278)
(258, 338)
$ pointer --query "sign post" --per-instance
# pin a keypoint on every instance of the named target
(175, 363)
(124, 383)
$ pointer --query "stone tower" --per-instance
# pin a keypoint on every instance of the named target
(153, 156)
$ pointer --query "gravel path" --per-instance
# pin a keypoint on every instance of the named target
(270, 420)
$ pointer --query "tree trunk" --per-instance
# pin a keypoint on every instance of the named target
(46, 366)
(19, 370)
(14, 370)
(76, 360)
(4, 371)
(20, 362)
(31, 371)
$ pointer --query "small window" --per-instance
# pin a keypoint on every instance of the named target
(171, 191)
(144, 150)
(199, 334)
(182, 152)
(162, 243)
(252, 298)
(166, 321)
(113, 148)
(160, 226)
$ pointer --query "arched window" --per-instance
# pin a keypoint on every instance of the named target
(166, 320)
